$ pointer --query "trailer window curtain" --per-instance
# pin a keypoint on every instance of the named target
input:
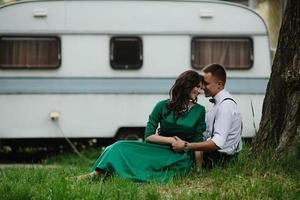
(232, 53)
(126, 53)
(29, 52)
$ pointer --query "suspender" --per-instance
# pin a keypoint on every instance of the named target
(213, 125)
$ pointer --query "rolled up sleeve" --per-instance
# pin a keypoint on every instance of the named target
(218, 140)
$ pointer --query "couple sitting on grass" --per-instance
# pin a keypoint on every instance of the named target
(184, 138)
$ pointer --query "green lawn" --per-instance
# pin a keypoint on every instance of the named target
(244, 179)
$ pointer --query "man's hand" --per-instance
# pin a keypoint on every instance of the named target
(178, 145)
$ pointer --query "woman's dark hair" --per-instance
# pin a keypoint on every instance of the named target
(180, 92)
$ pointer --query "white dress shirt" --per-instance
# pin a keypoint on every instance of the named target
(228, 124)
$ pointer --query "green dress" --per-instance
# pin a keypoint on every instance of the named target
(144, 161)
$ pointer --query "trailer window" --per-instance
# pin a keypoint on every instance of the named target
(233, 53)
(29, 52)
(126, 53)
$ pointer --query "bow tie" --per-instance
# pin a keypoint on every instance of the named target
(212, 100)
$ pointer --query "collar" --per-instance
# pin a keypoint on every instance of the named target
(220, 96)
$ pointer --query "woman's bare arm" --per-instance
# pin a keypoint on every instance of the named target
(160, 139)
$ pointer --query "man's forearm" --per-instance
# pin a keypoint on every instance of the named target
(208, 145)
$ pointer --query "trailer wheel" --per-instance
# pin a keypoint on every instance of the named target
(129, 137)
(130, 134)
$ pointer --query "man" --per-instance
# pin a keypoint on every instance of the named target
(222, 138)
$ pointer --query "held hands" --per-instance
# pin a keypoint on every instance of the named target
(178, 144)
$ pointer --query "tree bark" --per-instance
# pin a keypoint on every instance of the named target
(279, 126)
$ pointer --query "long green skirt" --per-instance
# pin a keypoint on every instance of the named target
(142, 161)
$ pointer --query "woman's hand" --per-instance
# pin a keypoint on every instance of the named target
(178, 145)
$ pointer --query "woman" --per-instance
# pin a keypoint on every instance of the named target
(153, 159)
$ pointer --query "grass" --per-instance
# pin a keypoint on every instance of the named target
(260, 178)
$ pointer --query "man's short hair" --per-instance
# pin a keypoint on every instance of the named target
(216, 70)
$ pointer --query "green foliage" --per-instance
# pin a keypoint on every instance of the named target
(243, 178)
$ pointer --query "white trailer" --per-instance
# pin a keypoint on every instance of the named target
(95, 69)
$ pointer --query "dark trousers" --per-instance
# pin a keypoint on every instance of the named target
(213, 158)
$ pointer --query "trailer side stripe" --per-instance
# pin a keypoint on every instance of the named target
(115, 85)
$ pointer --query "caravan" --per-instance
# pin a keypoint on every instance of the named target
(95, 69)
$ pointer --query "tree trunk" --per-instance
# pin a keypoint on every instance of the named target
(279, 126)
